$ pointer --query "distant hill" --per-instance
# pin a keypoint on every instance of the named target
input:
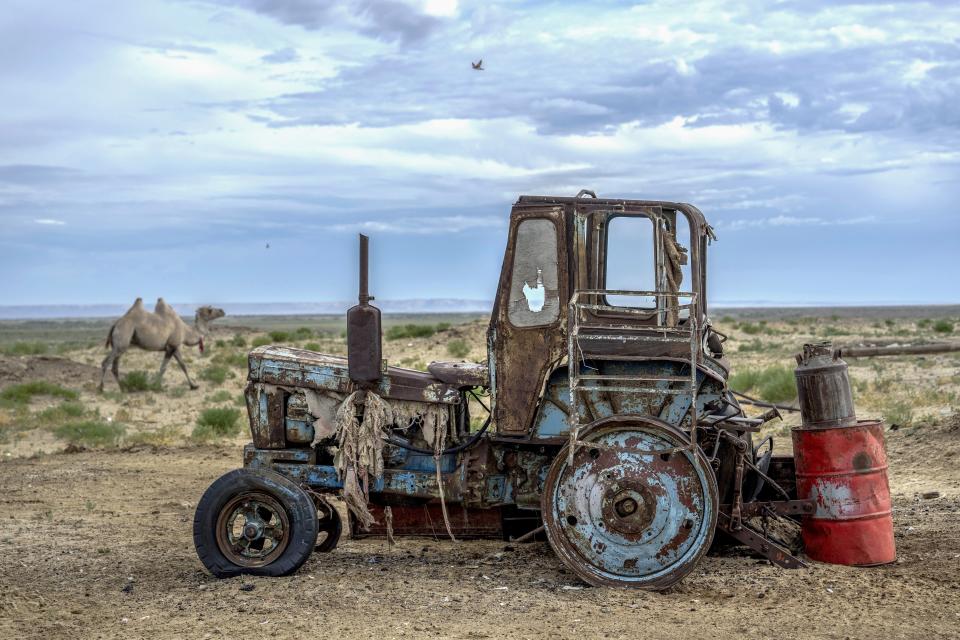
(438, 305)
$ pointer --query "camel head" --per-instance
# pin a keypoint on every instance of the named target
(206, 314)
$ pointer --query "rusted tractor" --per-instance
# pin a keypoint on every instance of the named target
(607, 418)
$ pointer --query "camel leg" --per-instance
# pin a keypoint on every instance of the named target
(116, 368)
(183, 367)
(107, 363)
(168, 353)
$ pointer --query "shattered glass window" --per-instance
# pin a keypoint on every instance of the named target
(534, 290)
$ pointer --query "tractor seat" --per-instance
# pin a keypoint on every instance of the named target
(460, 374)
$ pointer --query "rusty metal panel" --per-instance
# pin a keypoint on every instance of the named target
(427, 520)
(276, 419)
(522, 357)
(289, 367)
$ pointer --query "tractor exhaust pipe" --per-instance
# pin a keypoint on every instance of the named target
(364, 337)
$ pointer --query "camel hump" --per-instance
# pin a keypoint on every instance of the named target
(162, 307)
(135, 309)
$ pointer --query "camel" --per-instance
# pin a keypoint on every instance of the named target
(162, 330)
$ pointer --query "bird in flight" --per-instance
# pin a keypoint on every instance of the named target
(478, 65)
(268, 245)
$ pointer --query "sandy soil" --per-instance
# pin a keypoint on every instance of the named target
(98, 544)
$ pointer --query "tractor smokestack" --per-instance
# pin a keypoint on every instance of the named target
(364, 339)
(364, 270)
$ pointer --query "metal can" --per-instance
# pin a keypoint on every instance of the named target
(844, 470)
(823, 387)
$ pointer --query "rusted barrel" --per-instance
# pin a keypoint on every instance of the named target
(844, 469)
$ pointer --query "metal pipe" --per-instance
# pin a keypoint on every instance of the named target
(364, 272)
(529, 534)
(901, 350)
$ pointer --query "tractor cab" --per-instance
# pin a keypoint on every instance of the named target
(616, 286)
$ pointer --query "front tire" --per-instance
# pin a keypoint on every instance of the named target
(254, 522)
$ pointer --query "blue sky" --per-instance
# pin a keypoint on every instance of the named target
(154, 148)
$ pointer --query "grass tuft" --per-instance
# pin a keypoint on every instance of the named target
(138, 381)
(750, 329)
(458, 348)
(773, 384)
(91, 433)
(25, 349)
(261, 341)
(898, 412)
(21, 394)
(63, 412)
(943, 326)
(217, 422)
(402, 331)
(216, 374)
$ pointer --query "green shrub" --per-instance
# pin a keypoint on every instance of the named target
(303, 333)
(216, 423)
(220, 396)
(138, 381)
(889, 322)
(458, 348)
(220, 344)
(750, 329)
(279, 336)
(744, 381)
(402, 331)
(443, 326)
(63, 412)
(260, 341)
(943, 326)
(216, 374)
(924, 323)
(312, 346)
(754, 345)
(238, 340)
(91, 433)
(727, 320)
(230, 358)
(20, 394)
(777, 384)
(773, 384)
(898, 412)
(25, 349)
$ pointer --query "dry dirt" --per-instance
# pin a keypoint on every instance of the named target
(98, 544)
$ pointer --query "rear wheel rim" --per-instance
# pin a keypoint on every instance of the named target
(253, 529)
(623, 516)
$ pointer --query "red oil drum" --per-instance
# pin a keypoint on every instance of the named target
(844, 469)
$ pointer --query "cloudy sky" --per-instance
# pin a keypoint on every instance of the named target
(155, 147)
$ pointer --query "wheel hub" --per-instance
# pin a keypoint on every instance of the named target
(252, 529)
(628, 509)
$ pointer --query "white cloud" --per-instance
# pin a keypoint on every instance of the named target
(50, 222)
(792, 221)
(423, 226)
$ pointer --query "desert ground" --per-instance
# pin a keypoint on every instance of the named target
(97, 492)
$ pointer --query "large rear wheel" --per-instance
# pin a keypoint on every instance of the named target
(637, 508)
(254, 522)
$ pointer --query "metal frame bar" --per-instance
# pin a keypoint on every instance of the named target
(689, 333)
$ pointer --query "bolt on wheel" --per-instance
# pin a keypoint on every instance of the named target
(636, 508)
